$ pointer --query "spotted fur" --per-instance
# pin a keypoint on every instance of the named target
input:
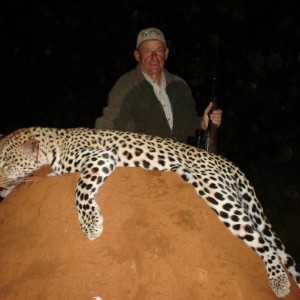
(96, 153)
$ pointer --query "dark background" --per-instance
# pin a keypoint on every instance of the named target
(59, 59)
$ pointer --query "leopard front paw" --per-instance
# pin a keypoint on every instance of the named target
(91, 223)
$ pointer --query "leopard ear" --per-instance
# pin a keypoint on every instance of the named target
(31, 147)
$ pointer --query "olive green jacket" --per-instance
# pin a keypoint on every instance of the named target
(133, 106)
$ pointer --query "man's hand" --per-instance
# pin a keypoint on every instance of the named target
(215, 116)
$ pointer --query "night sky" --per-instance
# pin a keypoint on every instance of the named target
(59, 59)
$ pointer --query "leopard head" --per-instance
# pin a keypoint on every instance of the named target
(19, 154)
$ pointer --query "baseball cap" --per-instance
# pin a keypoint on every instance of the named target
(148, 34)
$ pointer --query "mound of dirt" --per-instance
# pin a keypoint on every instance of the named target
(160, 241)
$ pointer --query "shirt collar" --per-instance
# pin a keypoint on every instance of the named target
(153, 83)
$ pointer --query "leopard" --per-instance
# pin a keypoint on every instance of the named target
(96, 153)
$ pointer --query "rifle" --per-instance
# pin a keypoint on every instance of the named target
(211, 134)
(208, 139)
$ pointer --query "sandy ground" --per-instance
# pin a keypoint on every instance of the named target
(160, 241)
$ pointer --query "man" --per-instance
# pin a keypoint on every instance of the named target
(150, 100)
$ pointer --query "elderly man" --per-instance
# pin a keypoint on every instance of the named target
(151, 100)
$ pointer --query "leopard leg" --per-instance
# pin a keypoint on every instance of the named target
(265, 229)
(244, 229)
(233, 215)
(240, 224)
(98, 165)
(236, 219)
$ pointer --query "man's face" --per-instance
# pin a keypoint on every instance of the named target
(151, 56)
